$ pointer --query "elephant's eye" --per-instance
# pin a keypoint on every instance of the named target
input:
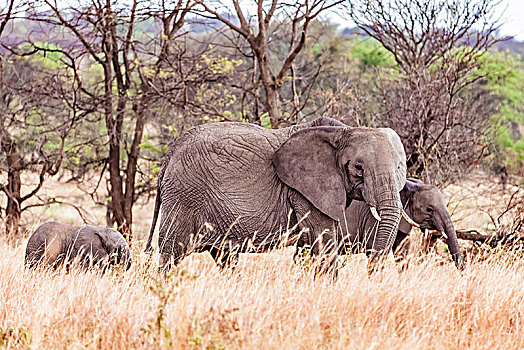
(429, 209)
(359, 167)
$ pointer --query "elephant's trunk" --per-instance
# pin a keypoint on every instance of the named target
(124, 257)
(389, 207)
(452, 241)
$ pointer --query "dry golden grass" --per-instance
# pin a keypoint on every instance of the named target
(267, 302)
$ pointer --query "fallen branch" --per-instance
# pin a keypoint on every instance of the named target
(492, 238)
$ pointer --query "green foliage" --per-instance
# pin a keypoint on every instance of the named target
(371, 53)
(265, 121)
(200, 339)
(503, 75)
(317, 49)
(50, 55)
(93, 74)
(196, 339)
(304, 257)
(160, 332)
(220, 65)
(147, 145)
(52, 209)
(217, 94)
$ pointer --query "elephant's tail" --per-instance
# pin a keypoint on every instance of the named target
(158, 200)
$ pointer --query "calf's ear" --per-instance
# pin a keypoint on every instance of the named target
(406, 196)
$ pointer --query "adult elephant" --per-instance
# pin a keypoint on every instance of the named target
(54, 243)
(423, 203)
(235, 187)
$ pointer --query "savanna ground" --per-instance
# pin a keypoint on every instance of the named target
(268, 301)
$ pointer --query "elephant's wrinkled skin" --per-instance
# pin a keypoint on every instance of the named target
(423, 203)
(55, 243)
(236, 184)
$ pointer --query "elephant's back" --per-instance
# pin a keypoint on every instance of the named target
(217, 137)
(223, 173)
(47, 242)
(223, 151)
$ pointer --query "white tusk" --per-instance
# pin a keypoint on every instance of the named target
(408, 219)
(444, 235)
(375, 213)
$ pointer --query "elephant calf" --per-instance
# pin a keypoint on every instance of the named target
(55, 243)
(423, 203)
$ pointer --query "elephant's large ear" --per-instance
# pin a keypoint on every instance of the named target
(307, 162)
(110, 238)
(406, 197)
(410, 187)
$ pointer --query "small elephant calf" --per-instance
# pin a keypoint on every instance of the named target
(55, 243)
(423, 203)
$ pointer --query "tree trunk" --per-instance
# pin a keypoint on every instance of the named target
(133, 155)
(110, 219)
(14, 183)
(273, 104)
(272, 100)
(114, 129)
(123, 218)
(115, 179)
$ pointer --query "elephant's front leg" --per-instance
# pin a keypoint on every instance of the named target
(322, 233)
(401, 250)
(325, 250)
(302, 249)
(101, 258)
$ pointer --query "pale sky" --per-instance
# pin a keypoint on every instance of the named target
(513, 18)
(510, 11)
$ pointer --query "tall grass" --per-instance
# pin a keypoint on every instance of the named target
(267, 302)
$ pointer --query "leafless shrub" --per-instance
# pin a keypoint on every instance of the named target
(430, 98)
(258, 32)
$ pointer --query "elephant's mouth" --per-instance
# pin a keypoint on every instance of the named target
(355, 192)
(433, 227)
(429, 225)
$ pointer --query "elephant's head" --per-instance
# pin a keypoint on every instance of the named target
(115, 246)
(331, 166)
(427, 207)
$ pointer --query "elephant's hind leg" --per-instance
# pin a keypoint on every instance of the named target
(172, 257)
(34, 258)
(174, 238)
(46, 252)
(224, 258)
